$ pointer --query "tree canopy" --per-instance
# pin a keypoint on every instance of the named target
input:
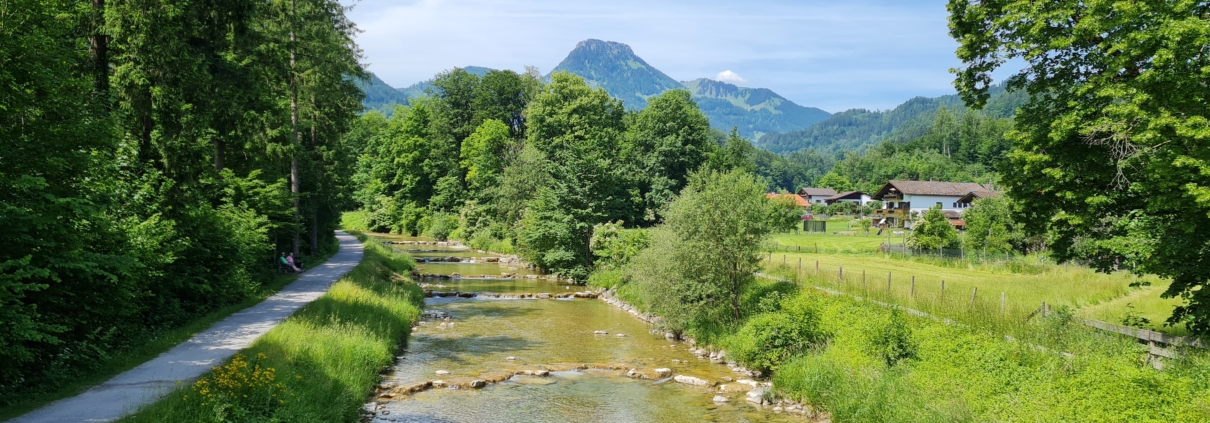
(1111, 151)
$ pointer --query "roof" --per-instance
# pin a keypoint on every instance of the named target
(938, 188)
(798, 200)
(952, 215)
(816, 192)
(851, 195)
(971, 196)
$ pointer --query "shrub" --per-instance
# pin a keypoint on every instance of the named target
(768, 339)
(614, 246)
(442, 225)
(893, 340)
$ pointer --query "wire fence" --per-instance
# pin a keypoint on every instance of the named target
(961, 302)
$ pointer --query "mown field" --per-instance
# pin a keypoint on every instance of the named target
(1025, 282)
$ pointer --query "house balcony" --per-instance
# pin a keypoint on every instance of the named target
(891, 213)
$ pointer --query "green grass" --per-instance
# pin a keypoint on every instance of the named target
(355, 221)
(959, 373)
(828, 243)
(326, 357)
(1024, 286)
(122, 361)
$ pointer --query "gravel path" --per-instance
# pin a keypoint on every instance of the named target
(129, 391)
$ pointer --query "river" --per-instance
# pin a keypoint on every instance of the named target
(576, 372)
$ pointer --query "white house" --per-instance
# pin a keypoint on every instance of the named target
(816, 195)
(902, 198)
(856, 197)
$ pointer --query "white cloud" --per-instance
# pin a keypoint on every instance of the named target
(729, 76)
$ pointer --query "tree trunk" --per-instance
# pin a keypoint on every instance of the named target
(147, 121)
(99, 49)
(294, 185)
(314, 228)
(314, 213)
(218, 155)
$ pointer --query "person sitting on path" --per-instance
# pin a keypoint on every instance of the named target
(290, 260)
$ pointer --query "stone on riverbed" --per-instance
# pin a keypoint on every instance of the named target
(478, 384)
(721, 399)
(663, 372)
(599, 332)
(690, 380)
(442, 372)
(757, 396)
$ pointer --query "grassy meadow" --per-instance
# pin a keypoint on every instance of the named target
(1024, 282)
(959, 373)
(320, 364)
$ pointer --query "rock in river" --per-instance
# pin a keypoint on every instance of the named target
(690, 380)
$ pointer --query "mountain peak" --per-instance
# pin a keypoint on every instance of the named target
(614, 67)
(608, 48)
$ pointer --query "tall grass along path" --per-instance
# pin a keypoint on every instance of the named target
(129, 391)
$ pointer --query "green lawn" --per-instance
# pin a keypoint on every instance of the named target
(828, 243)
(1024, 286)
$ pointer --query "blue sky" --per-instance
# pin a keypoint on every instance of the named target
(834, 55)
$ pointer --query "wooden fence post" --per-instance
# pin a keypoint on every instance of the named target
(888, 282)
(1001, 302)
(817, 267)
(943, 288)
(912, 293)
(800, 265)
(841, 274)
(975, 291)
(862, 277)
(783, 259)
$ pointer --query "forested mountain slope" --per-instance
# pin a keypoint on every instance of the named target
(754, 111)
(860, 129)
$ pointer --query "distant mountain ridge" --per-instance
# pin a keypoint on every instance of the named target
(382, 97)
(626, 76)
(754, 111)
(859, 129)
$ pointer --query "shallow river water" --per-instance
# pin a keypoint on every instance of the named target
(484, 335)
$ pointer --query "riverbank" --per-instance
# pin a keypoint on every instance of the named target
(871, 364)
(320, 364)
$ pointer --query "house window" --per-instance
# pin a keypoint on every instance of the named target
(938, 204)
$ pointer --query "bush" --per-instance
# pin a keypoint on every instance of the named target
(614, 246)
(442, 225)
(893, 340)
(768, 339)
